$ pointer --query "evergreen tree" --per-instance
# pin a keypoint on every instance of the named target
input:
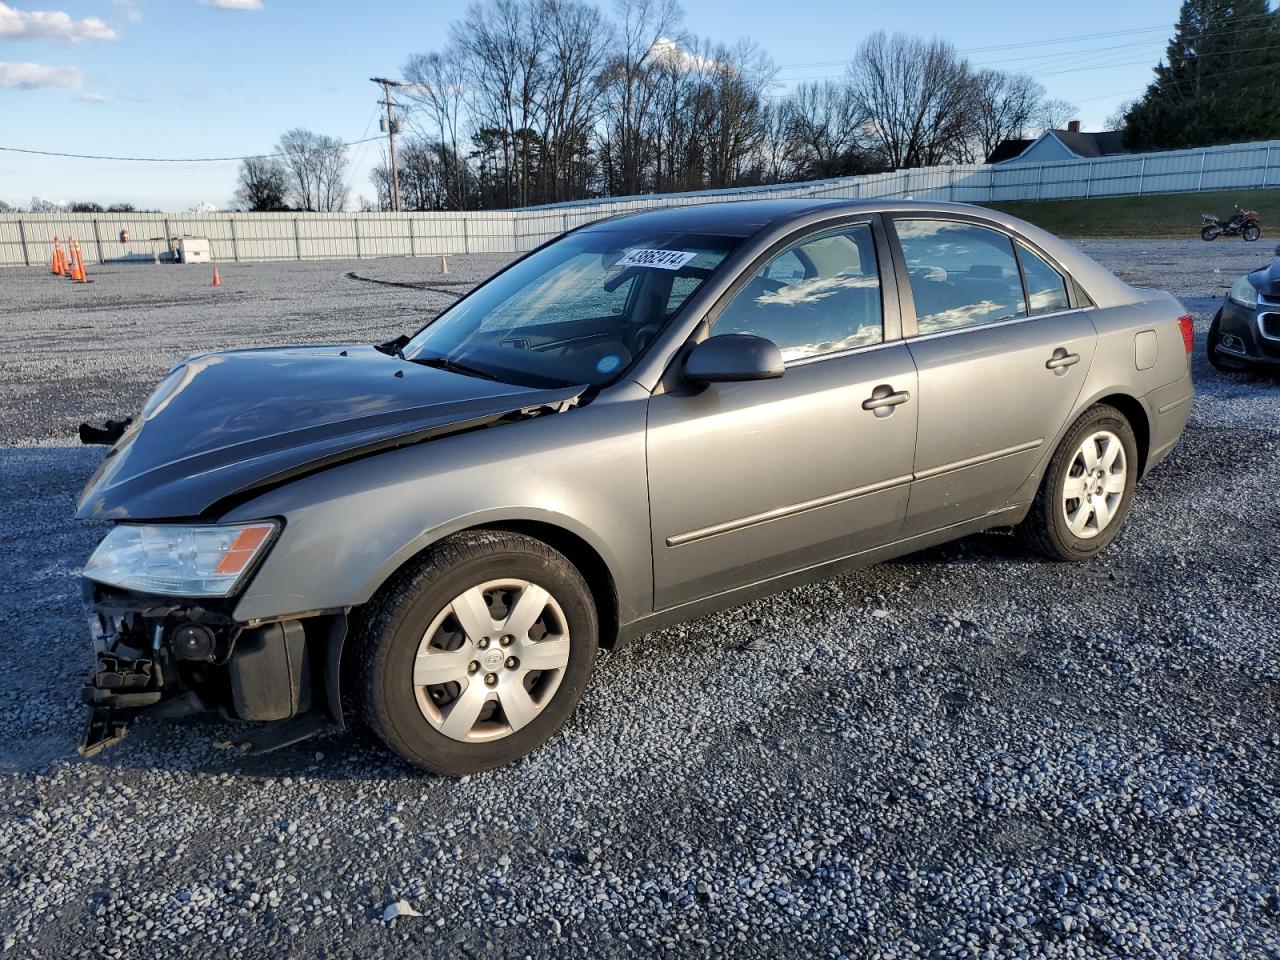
(1219, 81)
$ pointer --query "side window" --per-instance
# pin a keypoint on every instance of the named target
(962, 275)
(1046, 289)
(821, 295)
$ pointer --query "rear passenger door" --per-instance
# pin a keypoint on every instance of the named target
(1002, 349)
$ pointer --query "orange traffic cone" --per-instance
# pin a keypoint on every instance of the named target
(444, 266)
(217, 277)
(84, 277)
(70, 272)
(53, 260)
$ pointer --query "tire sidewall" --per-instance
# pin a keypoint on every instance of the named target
(391, 694)
(1103, 418)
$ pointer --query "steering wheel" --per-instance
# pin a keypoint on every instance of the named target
(638, 339)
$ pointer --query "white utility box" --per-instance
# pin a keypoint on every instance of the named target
(194, 250)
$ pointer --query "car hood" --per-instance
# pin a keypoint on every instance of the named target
(1267, 280)
(221, 424)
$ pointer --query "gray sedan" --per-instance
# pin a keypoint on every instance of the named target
(644, 420)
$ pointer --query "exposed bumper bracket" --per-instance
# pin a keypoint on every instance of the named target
(119, 689)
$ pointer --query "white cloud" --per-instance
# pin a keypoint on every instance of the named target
(32, 76)
(92, 98)
(50, 25)
(233, 4)
(131, 9)
(669, 53)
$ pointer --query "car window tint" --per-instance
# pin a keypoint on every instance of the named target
(961, 274)
(821, 295)
(1046, 289)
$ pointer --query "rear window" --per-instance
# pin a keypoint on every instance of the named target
(962, 274)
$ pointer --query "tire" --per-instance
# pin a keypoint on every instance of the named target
(1210, 233)
(1048, 527)
(419, 722)
(1252, 232)
(1211, 347)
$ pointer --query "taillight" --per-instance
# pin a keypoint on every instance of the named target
(1188, 332)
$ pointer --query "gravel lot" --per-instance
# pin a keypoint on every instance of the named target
(968, 752)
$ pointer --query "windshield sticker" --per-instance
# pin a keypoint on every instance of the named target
(661, 259)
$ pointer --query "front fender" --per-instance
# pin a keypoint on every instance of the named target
(349, 528)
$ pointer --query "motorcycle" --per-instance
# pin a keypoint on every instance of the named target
(1243, 223)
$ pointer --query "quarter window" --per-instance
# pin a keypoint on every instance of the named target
(1046, 290)
(820, 296)
(962, 275)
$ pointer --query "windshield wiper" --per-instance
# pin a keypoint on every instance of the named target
(394, 348)
(453, 366)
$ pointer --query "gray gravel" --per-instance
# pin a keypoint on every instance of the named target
(968, 752)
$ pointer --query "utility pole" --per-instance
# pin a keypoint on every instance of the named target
(391, 138)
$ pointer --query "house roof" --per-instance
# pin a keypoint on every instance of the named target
(1087, 145)
(1008, 149)
(1092, 144)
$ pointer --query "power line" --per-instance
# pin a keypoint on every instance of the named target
(92, 156)
(1164, 28)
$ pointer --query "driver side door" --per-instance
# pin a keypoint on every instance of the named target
(750, 481)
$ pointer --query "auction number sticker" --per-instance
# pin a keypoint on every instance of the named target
(661, 259)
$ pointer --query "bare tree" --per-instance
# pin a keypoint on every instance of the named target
(733, 108)
(643, 28)
(331, 174)
(317, 170)
(1005, 106)
(437, 82)
(299, 150)
(501, 44)
(823, 124)
(1055, 114)
(917, 95)
(577, 47)
(263, 184)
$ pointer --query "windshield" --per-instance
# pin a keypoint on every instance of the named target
(580, 310)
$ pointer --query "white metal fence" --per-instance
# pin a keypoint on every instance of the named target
(27, 239)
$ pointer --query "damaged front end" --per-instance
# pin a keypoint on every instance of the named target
(223, 428)
(175, 658)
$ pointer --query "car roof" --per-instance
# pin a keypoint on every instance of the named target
(742, 218)
(745, 218)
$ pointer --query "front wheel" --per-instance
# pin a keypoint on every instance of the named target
(1087, 491)
(477, 654)
(1210, 233)
(1211, 346)
(1252, 232)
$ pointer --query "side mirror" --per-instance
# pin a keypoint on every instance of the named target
(733, 358)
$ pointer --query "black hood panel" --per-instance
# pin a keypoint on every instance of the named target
(224, 423)
(1267, 280)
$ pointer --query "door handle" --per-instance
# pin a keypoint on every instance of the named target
(1061, 359)
(883, 399)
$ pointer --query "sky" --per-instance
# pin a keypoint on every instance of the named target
(224, 78)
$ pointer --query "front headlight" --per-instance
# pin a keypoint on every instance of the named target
(179, 560)
(1244, 293)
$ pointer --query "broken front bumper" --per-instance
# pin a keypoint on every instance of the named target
(175, 657)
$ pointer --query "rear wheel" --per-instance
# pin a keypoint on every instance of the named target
(1210, 233)
(477, 654)
(1087, 491)
(1252, 232)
